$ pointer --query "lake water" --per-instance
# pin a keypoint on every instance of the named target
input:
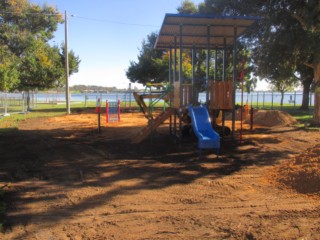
(253, 99)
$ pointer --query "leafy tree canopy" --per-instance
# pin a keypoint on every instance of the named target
(288, 35)
(27, 61)
(148, 68)
(187, 7)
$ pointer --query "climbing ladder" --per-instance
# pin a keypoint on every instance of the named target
(152, 125)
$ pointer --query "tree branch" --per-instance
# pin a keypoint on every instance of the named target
(309, 65)
(300, 20)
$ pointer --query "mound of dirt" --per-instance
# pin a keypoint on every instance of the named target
(301, 173)
(272, 118)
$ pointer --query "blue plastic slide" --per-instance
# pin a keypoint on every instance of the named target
(207, 137)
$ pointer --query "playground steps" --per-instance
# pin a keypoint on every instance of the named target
(142, 105)
(152, 125)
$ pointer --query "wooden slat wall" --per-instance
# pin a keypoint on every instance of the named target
(221, 95)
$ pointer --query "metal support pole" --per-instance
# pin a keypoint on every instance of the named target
(174, 80)
(234, 82)
(170, 67)
(215, 65)
(67, 64)
(175, 60)
(170, 87)
(180, 67)
(224, 59)
(193, 73)
(208, 64)
(180, 82)
(215, 115)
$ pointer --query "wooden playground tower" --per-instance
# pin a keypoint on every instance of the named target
(198, 32)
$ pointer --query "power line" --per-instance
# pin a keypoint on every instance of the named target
(86, 18)
(116, 22)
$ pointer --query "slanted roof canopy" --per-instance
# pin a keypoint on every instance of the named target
(199, 30)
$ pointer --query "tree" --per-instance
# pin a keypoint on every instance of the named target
(21, 20)
(40, 21)
(187, 7)
(243, 54)
(306, 79)
(39, 68)
(289, 30)
(153, 64)
(148, 68)
(74, 61)
(283, 84)
(9, 74)
(25, 29)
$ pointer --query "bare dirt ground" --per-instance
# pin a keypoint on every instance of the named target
(66, 181)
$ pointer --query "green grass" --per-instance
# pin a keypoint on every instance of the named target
(275, 105)
(303, 117)
(11, 122)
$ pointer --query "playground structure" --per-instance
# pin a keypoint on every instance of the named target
(154, 96)
(161, 93)
(207, 137)
(198, 32)
(113, 111)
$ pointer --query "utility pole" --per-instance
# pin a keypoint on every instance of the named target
(67, 63)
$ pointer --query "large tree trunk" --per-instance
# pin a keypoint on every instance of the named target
(316, 115)
(282, 97)
(306, 83)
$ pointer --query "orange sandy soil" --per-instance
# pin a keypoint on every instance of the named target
(65, 181)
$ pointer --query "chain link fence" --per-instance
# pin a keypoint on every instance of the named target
(271, 100)
(11, 103)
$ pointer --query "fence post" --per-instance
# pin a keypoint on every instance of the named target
(271, 100)
(107, 111)
(119, 110)
(251, 118)
(6, 114)
(23, 102)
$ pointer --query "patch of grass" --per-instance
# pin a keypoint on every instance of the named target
(301, 115)
(11, 122)
(304, 117)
